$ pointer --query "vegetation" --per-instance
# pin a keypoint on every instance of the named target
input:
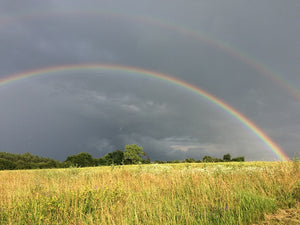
(83, 159)
(133, 154)
(9, 161)
(180, 193)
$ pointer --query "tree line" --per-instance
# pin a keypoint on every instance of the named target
(226, 158)
(132, 154)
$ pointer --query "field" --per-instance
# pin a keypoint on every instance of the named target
(204, 193)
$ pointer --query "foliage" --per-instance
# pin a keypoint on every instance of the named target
(82, 159)
(116, 158)
(146, 161)
(239, 159)
(10, 161)
(227, 157)
(133, 154)
(7, 164)
(208, 159)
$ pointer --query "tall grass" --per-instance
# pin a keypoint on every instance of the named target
(227, 193)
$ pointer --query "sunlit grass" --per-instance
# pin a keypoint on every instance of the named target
(223, 193)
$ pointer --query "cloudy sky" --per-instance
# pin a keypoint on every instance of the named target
(245, 53)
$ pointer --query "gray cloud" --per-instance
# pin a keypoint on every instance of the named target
(65, 113)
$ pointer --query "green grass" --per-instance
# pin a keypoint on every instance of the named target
(223, 193)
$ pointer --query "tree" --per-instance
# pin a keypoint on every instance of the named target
(133, 154)
(116, 157)
(227, 157)
(239, 159)
(100, 161)
(25, 161)
(83, 159)
(6, 164)
(208, 159)
(189, 160)
(147, 160)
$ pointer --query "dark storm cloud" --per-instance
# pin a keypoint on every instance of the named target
(98, 117)
(76, 40)
(11, 7)
(63, 114)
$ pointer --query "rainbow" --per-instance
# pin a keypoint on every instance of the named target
(142, 72)
(195, 34)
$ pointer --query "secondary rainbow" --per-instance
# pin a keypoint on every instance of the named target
(180, 29)
(143, 72)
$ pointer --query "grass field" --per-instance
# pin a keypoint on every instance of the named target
(223, 193)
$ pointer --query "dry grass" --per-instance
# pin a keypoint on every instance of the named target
(290, 216)
(225, 193)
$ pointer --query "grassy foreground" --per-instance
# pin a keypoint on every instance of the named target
(223, 193)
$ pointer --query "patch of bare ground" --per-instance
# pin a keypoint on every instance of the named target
(283, 216)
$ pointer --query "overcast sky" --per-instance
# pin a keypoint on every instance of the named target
(61, 114)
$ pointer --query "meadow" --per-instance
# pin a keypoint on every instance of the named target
(195, 193)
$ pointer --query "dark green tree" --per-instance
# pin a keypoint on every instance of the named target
(100, 162)
(239, 159)
(147, 161)
(82, 159)
(7, 164)
(227, 157)
(26, 161)
(208, 159)
(189, 160)
(116, 157)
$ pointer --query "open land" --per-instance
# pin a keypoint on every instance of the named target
(183, 193)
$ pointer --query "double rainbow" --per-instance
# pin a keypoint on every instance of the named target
(142, 72)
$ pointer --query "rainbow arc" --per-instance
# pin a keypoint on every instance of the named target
(142, 72)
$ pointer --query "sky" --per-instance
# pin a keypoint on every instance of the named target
(245, 53)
